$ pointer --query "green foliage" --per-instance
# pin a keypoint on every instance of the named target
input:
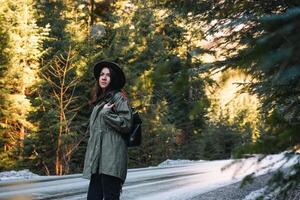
(3, 91)
(247, 180)
(274, 64)
(157, 45)
(6, 162)
(155, 75)
(60, 122)
(22, 40)
(284, 183)
(224, 139)
(271, 57)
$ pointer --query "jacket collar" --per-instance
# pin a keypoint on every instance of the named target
(106, 97)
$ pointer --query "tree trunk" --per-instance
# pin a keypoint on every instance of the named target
(21, 141)
(91, 21)
(58, 164)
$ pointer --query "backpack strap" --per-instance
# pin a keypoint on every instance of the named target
(112, 93)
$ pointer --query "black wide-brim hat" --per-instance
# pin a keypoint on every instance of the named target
(121, 80)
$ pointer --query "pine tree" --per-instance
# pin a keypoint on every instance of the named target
(23, 51)
(60, 113)
(270, 56)
(5, 160)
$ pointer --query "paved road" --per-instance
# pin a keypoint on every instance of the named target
(140, 184)
(163, 183)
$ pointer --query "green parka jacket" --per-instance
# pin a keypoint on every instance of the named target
(106, 151)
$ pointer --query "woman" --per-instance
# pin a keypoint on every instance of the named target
(106, 155)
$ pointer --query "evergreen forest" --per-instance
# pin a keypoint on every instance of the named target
(211, 79)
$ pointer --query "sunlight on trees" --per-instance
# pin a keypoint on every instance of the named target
(24, 51)
(229, 100)
(212, 79)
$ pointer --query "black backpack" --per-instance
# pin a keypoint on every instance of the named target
(134, 137)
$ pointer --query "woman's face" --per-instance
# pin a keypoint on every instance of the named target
(104, 78)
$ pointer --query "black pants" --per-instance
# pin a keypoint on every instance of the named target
(105, 187)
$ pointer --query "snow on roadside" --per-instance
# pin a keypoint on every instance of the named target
(169, 162)
(255, 194)
(226, 172)
(261, 193)
(17, 175)
(259, 165)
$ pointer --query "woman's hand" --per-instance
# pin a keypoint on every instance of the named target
(108, 105)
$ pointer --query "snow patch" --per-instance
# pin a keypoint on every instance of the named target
(17, 175)
(255, 194)
(261, 193)
(169, 162)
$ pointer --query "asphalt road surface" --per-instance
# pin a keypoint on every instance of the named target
(163, 183)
